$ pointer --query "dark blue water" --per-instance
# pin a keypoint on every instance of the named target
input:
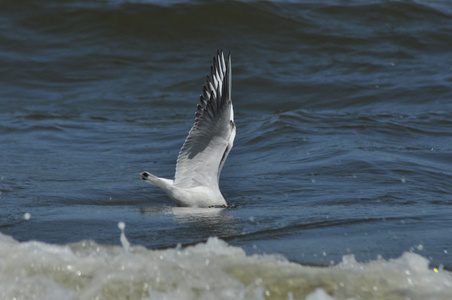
(343, 114)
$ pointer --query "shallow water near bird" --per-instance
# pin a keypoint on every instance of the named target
(340, 172)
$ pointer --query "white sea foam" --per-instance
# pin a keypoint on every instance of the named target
(211, 270)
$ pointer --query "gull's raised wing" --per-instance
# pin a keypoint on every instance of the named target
(211, 138)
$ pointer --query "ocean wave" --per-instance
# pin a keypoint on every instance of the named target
(87, 270)
(187, 19)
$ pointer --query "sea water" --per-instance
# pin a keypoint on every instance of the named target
(339, 176)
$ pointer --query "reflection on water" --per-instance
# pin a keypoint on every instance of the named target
(213, 221)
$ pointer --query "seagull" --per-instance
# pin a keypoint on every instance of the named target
(202, 157)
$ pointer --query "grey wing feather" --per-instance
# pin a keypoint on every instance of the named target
(209, 141)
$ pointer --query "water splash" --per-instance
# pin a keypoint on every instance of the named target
(124, 242)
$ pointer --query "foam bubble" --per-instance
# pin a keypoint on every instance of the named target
(121, 226)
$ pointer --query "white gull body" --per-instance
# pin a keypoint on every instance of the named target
(202, 157)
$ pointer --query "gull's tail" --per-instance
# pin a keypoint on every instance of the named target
(163, 183)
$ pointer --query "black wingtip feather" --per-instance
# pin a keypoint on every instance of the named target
(219, 69)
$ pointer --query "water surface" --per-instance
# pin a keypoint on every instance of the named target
(343, 114)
